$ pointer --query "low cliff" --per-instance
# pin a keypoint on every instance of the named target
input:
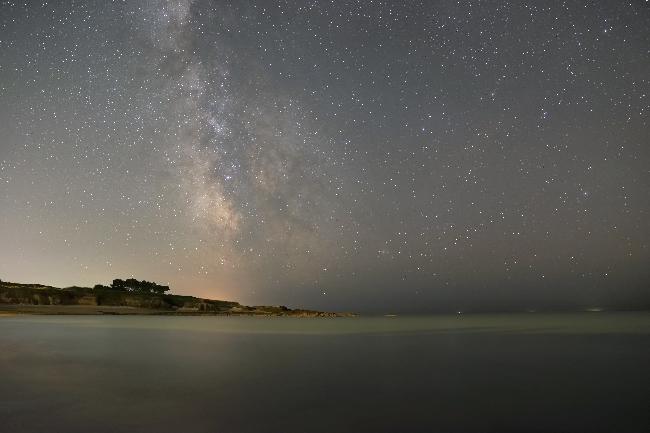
(28, 297)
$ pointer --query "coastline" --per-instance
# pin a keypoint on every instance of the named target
(38, 299)
(10, 310)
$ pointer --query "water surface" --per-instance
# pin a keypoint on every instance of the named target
(472, 373)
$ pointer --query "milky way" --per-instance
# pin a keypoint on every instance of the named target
(382, 156)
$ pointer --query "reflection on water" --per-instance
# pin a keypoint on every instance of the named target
(471, 373)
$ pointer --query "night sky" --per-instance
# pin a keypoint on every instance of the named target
(368, 156)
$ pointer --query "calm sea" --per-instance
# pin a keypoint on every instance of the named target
(585, 372)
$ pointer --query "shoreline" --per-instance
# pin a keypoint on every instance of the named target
(9, 310)
(37, 299)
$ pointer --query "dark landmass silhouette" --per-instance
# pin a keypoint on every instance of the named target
(43, 299)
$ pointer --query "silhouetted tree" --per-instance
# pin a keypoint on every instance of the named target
(118, 285)
(160, 289)
(133, 285)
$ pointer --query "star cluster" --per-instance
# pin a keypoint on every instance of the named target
(362, 154)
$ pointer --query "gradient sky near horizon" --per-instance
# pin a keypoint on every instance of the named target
(366, 155)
